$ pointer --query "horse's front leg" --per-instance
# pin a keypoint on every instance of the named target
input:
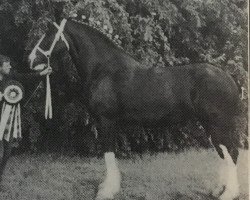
(111, 184)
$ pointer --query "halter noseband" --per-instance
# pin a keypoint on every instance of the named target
(48, 53)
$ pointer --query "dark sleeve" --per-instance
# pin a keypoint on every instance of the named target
(23, 77)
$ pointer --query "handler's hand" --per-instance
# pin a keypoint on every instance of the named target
(47, 71)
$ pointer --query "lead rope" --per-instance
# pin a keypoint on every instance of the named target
(33, 94)
(48, 103)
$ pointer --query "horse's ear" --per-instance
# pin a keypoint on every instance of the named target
(58, 10)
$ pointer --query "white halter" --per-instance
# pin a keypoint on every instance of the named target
(47, 54)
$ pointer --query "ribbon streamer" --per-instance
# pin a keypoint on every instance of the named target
(17, 122)
(6, 109)
(10, 122)
(48, 105)
(9, 127)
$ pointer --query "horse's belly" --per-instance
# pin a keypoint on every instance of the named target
(148, 115)
(154, 116)
(146, 111)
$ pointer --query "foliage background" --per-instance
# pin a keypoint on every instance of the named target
(160, 33)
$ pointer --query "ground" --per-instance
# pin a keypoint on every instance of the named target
(190, 175)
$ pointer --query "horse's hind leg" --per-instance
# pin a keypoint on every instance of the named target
(227, 148)
(111, 184)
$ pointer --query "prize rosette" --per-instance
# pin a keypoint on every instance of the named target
(10, 124)
(13, 92)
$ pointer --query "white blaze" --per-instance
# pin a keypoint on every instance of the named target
(111, 184)
(32, 55)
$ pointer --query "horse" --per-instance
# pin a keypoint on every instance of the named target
(119, 90)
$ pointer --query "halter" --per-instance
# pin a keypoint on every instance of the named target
(59, 35)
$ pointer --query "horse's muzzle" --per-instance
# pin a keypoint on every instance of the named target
(40, 67)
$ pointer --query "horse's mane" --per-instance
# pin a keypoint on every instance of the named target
(101, 33)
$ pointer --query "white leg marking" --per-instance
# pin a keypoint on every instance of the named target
(230, 179)
(111, 184)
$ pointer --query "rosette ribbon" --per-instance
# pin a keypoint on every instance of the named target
(10, 124)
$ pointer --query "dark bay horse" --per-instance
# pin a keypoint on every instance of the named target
(119, 90)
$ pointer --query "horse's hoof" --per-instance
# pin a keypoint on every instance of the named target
(110, 186)
(229, 195)
(222, 194)
(104, 194)
(107, 190)
(218, 191)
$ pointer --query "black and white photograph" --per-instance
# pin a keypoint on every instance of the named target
(124, 100)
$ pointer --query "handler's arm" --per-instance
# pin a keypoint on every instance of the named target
(22, 77)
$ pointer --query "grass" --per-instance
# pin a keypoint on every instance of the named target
(190, 175)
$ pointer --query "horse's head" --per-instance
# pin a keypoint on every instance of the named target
(49, 45)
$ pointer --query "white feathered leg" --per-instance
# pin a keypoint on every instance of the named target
(230, 179)
(111, 184)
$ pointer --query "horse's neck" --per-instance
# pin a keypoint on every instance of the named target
(94, 49)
